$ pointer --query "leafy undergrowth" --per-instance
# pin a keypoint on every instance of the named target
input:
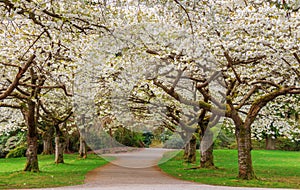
(72, 172)
(274, 169)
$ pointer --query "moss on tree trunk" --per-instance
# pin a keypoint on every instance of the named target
(32, 144)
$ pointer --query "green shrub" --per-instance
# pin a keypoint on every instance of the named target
(19, 151)
(175, 142)
(3, 152)
(128, 137)
(225, 138)
(147, 136)
(11, 142)
(287, 144)
(233, 145)
(258, 144)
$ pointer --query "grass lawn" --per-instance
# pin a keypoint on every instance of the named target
(276, 169)
(52, 175)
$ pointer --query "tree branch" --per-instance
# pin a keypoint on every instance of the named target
(10, 105)
(230, 65)
(248, 95)
(266, 82)
(15, 83)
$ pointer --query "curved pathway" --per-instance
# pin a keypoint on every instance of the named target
(138, 171)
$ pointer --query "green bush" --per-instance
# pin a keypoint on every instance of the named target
(175, 142)
(224, 139)
(3, 151)
(19, 151)
(10, 141)
(128, 137)
(233, 145)
(287, 144)
(281, 144)
(258, 144)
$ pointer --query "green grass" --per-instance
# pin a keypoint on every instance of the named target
(52, 175)
(274, 169)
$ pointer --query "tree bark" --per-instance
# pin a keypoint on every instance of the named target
(270, 143)
(243, 135)
(59, 146)
(207, 158)
(192, 150)
(206, 146)
(186, 151)
(31, 153)
(82, 148)
(47, 141)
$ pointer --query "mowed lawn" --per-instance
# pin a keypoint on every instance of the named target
(276, 169)
(52, 175)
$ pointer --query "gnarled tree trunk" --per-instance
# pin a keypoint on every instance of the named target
(192, 150)
(31, 153)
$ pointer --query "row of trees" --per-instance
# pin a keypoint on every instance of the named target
(203, 61)
(40, 43)
(179, 64)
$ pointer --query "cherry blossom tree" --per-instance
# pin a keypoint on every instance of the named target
(237, 55)
(279, 119)
(40, 42)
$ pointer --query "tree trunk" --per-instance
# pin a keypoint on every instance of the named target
(192, 150)
(207, 158)
(243, 135)
(67, 145)
(31, 153)
(270, 143)
(47, 141)
(186, 151)
(206, 146)
(59, 146)
(59, 149)
(82, 148)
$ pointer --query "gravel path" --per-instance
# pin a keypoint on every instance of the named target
(138, 171)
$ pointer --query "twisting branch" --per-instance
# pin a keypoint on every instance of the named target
(47, 87)
(53, 118)
(10, 65)
(10, 105)
(215, 75)
(250, 60)
(15, 83)
(188, 16)
(180, 72)
(33, 44)
(295, 70)
(248, 95)
(230, 65)
(266, 82)
(297, 57)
